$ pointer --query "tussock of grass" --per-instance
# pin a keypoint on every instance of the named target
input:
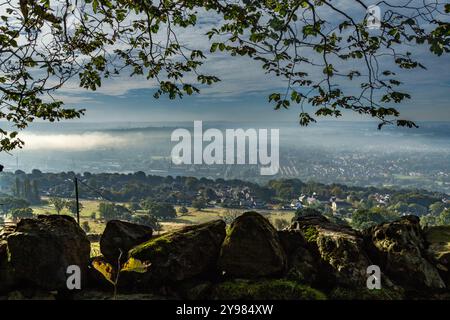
(311, 234)
(276, 289)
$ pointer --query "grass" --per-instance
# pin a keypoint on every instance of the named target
(311, 234)
(88, 207)
(439, 237)
(192, 217)
(195, 217)
(273, 289)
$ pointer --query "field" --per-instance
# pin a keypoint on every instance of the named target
(97, 225)
(88, 208)
(209, 214)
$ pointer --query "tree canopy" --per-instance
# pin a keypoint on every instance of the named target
(323, 50)
(111, 211)
(159, 210)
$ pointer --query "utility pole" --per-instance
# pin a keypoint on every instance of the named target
(75, 180)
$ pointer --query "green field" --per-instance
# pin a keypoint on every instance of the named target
(97, 225)
(194, 216)
(88, 207)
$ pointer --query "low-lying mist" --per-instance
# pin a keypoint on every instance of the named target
(72, 142)
(331, 152)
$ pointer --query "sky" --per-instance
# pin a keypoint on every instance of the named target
(242, 93)
(240, 96)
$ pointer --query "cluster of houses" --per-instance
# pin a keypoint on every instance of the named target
(305, 201)
(229, 197)
(302, 201)
(239, 198)
(381, 199)
(244, 198)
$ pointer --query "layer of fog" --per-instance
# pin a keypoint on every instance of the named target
(71, 142)
(349, 137)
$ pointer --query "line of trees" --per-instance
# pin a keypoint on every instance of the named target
(136, 187)
(15, 207)
(27, 189)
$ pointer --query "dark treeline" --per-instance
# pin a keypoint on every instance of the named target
(158, 195)
(135, 187)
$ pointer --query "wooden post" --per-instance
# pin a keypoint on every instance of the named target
(75, 180)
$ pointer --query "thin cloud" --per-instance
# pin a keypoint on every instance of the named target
(71, 142)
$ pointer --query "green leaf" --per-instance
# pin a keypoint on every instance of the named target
(95, 5)
(328, 70)
(274, 97)
(214, 47)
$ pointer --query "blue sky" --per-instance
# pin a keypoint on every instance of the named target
(429, 89)
(242, 93)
